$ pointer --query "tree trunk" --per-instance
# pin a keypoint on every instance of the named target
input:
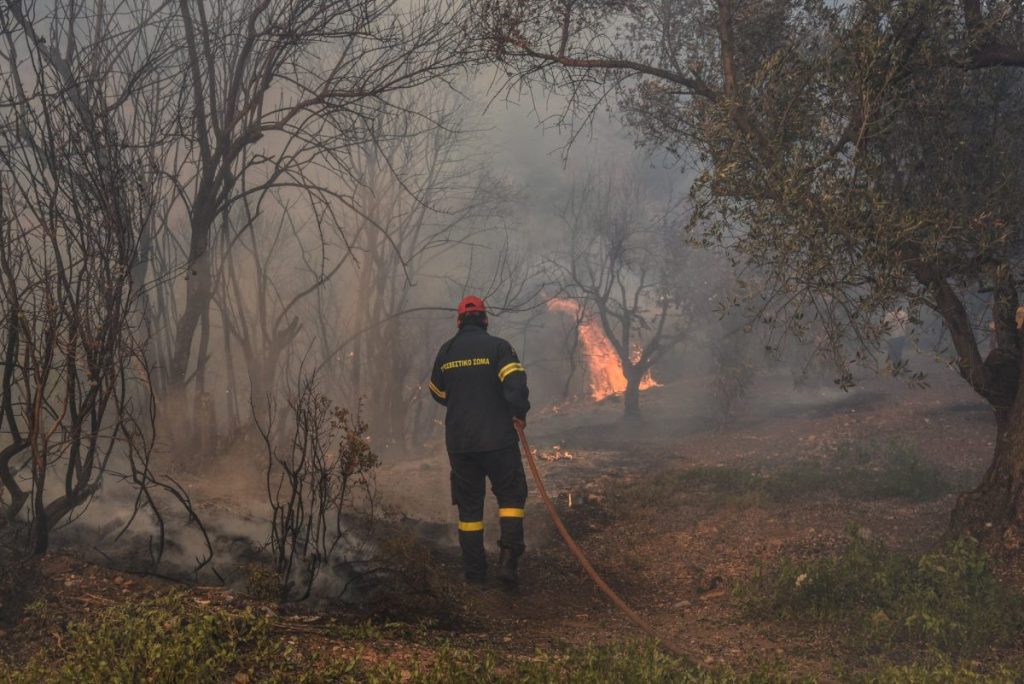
(994, 512)
(40, 531)
(632, 395)
(197, 304)
(198, 295)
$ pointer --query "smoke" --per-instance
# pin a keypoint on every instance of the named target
(360, 292)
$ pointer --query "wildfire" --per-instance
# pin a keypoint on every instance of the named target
(603, 367)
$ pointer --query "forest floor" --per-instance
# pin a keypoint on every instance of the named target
(804, 539)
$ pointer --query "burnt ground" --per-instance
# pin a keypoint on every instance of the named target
(677, 558)
(675, 553)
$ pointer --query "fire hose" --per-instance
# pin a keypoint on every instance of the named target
(667, 645)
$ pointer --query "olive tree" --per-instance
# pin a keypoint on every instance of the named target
(622, 264)
(855, 158)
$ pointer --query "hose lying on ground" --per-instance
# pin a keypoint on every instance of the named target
(634, 617)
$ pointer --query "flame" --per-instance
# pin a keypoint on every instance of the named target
(603, 367)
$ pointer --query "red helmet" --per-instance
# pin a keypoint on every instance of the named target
(471, 305)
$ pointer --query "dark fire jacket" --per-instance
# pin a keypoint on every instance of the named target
(483, 384)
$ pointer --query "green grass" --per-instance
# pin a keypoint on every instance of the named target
(948, 600)
(172, 639)
(638, 662)
(167, 640)
(874, 471)
(891, 470)
(263, 583)
(942, 673)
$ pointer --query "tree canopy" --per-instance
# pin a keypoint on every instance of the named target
(854, 158)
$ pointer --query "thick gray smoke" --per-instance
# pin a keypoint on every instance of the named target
(329, 240)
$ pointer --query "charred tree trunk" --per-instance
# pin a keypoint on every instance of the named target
(632, 395)
(199, 293)
(40, 530)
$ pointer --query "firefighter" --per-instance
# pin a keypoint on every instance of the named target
(480, 380)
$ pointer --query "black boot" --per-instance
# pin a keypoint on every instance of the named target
(508, 567)
(474, 561)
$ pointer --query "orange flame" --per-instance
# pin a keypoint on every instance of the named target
(603, 366)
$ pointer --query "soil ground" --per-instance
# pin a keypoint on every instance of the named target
(675, 558)
(676, 561)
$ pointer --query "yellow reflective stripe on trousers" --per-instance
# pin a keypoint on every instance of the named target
(510, 368)
(511, 512)
(433, 388)
(477, 526)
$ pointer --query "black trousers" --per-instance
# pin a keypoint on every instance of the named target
(504, 468)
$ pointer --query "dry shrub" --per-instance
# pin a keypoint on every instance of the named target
(320, 474)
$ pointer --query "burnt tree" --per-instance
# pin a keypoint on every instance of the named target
(76, 196)
(274, 96)
(622, 266)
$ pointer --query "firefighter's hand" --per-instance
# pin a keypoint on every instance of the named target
(519, 423)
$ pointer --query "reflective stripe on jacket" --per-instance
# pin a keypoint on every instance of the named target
(483, 384)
